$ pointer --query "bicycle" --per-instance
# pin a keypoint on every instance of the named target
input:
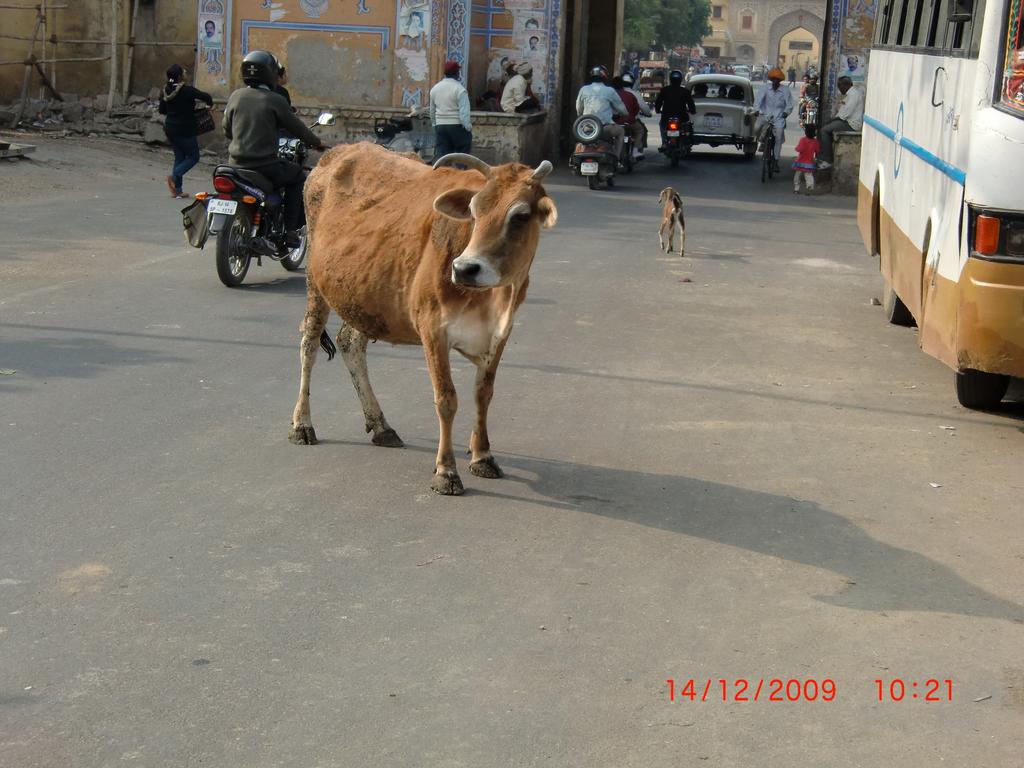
(768, 165)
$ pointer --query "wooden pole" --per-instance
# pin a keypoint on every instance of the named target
(130, 55)
(28, 70)
(113, 54)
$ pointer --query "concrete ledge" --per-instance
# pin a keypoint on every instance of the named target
(846, 162)
(497, 137)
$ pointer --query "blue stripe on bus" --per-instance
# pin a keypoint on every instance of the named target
(956, 174)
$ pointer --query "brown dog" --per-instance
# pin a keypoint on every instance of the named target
(671, 215)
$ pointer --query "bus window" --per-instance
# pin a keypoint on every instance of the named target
(960, 17)
(1012, 93)
(938, 23)
(882, 29)
(916, 38)
(901, 24)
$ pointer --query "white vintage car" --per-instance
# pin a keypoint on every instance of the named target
(725, 112)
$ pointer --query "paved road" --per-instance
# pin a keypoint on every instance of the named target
(723, 466)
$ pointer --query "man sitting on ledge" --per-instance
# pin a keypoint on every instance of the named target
(517, 96)
(849, 117)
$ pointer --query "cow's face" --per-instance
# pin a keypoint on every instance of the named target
(507, 215)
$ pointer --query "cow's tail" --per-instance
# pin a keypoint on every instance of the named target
(327, 345)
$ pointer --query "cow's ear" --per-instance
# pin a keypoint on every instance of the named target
(548, 212)
(455, 204)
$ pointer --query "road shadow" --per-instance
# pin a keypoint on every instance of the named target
(877, 576)
(75, 357)
(295, 283)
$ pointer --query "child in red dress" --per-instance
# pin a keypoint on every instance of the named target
(806, 150)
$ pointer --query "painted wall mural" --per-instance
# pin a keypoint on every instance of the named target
(391, 52)
(213, 49)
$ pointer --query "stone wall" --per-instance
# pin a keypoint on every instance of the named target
(168, 21)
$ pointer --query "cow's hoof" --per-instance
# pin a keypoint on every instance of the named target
(447, 484)
(302, 435)
(389, 439)
(486, 468)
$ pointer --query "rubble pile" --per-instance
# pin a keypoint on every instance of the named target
(136, 119)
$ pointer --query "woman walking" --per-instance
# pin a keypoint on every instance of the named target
(178, 102)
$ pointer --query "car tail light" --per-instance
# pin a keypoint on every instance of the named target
(223, 184)
(986, 235)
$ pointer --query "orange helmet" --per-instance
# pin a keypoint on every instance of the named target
(776, 73)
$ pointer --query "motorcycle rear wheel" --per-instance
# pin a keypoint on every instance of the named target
(296, 256)
(233, 252)
(594, 182)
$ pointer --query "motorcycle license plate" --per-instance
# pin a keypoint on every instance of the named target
(221, 206)
(713, 121)
(672, 133)
(588, 169)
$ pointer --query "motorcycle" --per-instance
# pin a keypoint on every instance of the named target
(593, 157)
(678, 140)
(406, 133)
(245, 216)
(808, 111)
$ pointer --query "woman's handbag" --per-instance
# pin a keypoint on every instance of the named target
(204, 121)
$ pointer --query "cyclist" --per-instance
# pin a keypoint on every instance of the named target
(774, 103)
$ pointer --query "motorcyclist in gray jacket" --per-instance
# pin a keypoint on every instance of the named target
(253, 119)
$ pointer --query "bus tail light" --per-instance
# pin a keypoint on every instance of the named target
(986, 235)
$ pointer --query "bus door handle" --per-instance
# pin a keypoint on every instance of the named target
(935, 87)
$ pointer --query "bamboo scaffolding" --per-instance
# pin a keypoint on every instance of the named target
(31, 62)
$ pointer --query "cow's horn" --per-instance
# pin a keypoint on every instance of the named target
(464, 159)
(542, 170)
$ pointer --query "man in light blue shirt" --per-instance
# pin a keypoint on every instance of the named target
(601, 101)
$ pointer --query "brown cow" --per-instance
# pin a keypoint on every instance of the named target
(411, 254)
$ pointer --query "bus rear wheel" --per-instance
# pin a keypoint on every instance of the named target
(896, 311)
(980, 390)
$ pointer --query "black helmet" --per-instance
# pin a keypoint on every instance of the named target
(260, 68)
(675, 77)
(598, 74)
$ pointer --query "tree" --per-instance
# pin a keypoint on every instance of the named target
(665, 23)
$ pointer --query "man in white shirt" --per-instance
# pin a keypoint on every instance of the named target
(449, 113)
(849, 117)
(600, 100)
(774, 104)
(517, 96)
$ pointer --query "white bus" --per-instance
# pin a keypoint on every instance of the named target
(941, 198)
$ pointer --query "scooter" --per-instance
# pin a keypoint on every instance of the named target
(808, 111)
(406, 133)
(593, 157)
(678, 140)
(245, 216)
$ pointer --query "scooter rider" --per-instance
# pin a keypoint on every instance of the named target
(674, 100)
(600, 100)
(253, 118)
(629, 83)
